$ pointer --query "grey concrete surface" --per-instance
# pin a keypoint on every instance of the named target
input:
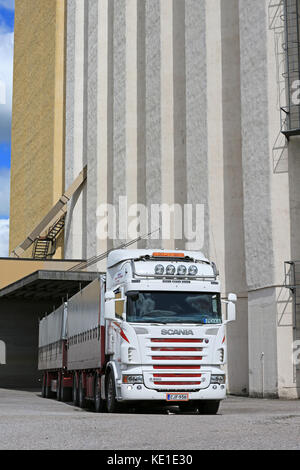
(31, 422)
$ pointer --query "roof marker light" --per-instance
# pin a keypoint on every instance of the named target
(168, 255)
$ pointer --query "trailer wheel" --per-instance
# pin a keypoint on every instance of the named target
(65, 392)
(99, 404)
(111, 402)
(48, 393)
(58, 387)
(44, 386)
(81, 392)
(209, 407)
(75, 391)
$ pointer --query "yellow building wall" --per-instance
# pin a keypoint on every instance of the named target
(37, 166)
(12, 270)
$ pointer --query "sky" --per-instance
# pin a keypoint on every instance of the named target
(6, 74)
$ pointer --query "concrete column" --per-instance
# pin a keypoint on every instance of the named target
(131, 110)
(215, 134)
(92, 125)
(76, 128)
(167, 110)
(179, 116)
(119, 111)
(259, 240)
(153, 112)
(102, 120)
(196, 119)
(235, 275)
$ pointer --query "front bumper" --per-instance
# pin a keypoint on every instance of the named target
(138, 392)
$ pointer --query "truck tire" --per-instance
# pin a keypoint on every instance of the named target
(75, 391)
(99, 404)
(44, 386)
(81, 392)
(48, 392)
(58, 387)
(65, 392)
(111, 402)
(209, 407)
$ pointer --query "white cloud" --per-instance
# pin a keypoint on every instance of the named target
(8, 4)
(4, 192)
(4, 237)
(6, 74)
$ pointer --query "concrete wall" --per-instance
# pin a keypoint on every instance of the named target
(175, 102)
(151, 86)
(37, 166)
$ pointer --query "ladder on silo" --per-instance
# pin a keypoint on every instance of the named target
(45, 246)
(45, 234)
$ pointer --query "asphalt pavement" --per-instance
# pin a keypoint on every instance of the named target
(27, 421)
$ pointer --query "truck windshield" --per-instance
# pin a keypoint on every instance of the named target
(174, 307)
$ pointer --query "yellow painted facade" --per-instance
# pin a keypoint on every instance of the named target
(37, 166)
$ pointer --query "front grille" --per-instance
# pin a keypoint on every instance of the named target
(177, 358)
(176, 363)
(167, 390)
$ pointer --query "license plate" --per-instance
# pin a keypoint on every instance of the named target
(177, 397)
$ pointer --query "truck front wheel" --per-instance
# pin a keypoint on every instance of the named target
(208, 407)
(111, 401)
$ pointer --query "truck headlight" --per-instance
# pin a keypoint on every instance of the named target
(218, 379)
(193, 270)
(132, 379)
(181, 271)
(159, 269)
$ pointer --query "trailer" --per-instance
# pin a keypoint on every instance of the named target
(149, 330)
(52, 357)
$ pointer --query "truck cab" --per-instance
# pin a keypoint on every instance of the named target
(165, 330)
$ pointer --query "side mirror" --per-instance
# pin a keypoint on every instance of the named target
(114, 306)
(231, 312)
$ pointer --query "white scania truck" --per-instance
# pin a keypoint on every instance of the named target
(149, 330)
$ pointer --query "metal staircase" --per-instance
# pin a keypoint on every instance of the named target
(45, 246)
(45, 234)
(292, 75)
(284, 20)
